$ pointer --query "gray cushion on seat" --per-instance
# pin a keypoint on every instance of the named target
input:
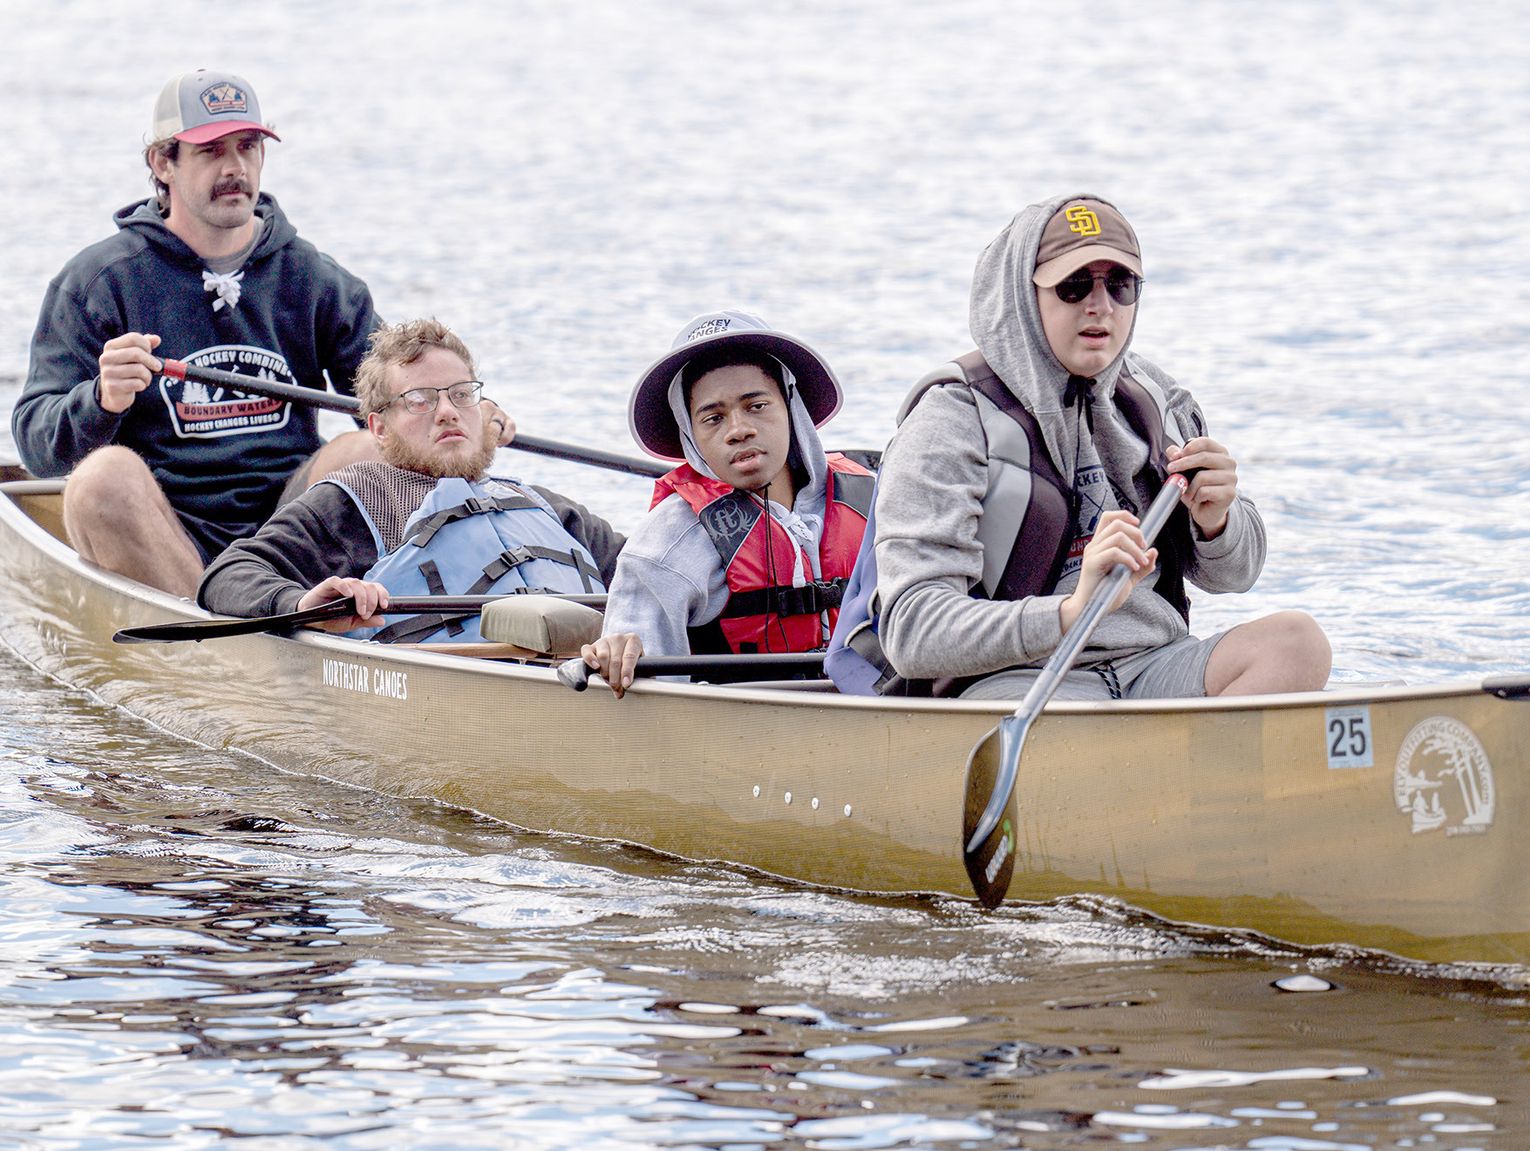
(541, 623)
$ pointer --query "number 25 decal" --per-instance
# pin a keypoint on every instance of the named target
(1348, 737)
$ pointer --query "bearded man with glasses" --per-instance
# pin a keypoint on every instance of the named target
(1014, 484)
(427, 519)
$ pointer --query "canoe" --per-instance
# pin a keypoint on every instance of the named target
(1380, 817)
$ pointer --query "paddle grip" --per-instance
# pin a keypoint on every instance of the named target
(1099, 603)
(574, 673)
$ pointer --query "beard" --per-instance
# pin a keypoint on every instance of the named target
(463, 462)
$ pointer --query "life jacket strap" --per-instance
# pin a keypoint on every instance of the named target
(809, 599)
(472, 506)
(865, 642)
(512, 558)
(413, 628)
(437, 586)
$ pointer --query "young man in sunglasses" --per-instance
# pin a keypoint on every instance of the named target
(1014, 484)
(425, 519)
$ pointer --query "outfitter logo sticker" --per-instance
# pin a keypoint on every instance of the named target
(223, 98)
(1443, 778)
(1082, 220)
(208, 411)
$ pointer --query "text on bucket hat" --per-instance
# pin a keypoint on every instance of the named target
(648, 412)
(1080, 232)
(201, 106)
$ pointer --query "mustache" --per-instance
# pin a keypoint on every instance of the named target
(227, 187)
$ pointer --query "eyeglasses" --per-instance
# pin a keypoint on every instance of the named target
(1123, 285)
(418, 401)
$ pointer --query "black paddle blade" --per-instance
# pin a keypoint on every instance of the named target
(200, 629)
(990, 861)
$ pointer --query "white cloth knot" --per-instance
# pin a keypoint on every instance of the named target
(226, 284)
(804, 531)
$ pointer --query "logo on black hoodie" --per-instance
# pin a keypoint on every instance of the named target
(207, 411)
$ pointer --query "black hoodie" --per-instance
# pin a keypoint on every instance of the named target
(221, 458)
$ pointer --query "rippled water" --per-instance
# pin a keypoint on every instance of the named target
(199, 951)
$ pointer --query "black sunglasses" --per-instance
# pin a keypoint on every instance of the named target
(1123, 285)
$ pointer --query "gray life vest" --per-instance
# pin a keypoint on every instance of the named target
(1026, 524)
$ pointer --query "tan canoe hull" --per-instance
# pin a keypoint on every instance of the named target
(1390, 818)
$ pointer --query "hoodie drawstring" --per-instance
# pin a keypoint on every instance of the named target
(1080, 392)
(226, 284)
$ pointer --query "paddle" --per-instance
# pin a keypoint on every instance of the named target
(334, 402)
(575, 673)
(201, 629)
(993, 766)
(1507, 686)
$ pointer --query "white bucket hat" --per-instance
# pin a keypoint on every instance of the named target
(648, 413)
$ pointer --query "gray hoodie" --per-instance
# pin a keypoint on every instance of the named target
(935, 473)
(670, 577)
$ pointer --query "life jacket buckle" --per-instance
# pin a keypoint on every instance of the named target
(516, 556)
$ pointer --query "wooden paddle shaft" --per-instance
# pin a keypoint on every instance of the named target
(1062, 660)
(334, 402)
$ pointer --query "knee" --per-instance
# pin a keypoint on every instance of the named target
(108, 478)
(1305, 648)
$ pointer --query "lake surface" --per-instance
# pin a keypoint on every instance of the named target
(199, 951)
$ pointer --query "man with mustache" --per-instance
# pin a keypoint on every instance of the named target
(164, 474)
(423, 518)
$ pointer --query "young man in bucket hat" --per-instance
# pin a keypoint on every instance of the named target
(748, 542)
(1014, 482)
(164, 474)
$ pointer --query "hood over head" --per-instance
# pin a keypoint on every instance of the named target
(1006, 320)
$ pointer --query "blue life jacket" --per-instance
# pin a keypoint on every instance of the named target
(1028, 510)
(476, 539)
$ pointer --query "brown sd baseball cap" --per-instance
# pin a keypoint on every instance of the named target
(1080, 232)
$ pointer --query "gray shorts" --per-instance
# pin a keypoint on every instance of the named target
(1174, 671)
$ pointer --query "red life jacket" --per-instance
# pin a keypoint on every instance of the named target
(762, 613)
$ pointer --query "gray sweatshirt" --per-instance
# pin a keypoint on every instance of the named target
(935, 473)
(670, 577)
